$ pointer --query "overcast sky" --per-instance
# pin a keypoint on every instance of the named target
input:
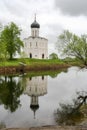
(52, 15)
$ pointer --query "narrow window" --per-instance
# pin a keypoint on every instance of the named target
(35, 33)
(30, 44)
(36, 43)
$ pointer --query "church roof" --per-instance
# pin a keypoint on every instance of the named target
(35, 37)
(35, 24)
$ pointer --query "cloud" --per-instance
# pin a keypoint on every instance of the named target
(51, 20)
(16, 7)
(72, 7)
(23, 8)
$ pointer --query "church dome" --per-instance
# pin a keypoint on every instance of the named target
(35, 25)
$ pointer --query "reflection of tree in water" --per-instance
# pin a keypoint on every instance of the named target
(10, 90)
(54, 74)
(72, 114)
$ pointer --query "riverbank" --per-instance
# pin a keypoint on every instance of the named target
(50, 128)
(16, 66)
(36, 68)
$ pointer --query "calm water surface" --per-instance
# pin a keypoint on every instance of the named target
(31, 101)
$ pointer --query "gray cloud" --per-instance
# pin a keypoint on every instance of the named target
(72, 7)
(23, 8)
(52, 31)
(16, 7)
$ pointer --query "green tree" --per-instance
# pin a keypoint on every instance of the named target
(53, 56)
(2, 45)
(10, 37)
(72, 45)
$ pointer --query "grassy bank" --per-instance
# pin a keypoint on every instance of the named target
(27, 65)
(29, 62)
(39, 62)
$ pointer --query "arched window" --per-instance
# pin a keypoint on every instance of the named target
(42, 56)
(30, 55)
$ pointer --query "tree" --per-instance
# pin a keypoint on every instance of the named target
(53, 56)
(2, 45)
(72, 45)
(11, 40)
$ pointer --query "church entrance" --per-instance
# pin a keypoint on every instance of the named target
(30, 55)
(42, 56)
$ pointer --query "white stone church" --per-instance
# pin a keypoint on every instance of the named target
(36, 46)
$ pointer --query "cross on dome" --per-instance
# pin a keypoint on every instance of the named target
(35, 17)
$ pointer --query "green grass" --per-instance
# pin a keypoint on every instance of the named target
(30, 62)
(39, 62)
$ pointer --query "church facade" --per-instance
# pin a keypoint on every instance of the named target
(36, 46)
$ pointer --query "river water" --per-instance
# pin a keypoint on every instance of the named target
(30, 101)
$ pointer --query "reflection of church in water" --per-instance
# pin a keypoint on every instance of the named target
(36, 86)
